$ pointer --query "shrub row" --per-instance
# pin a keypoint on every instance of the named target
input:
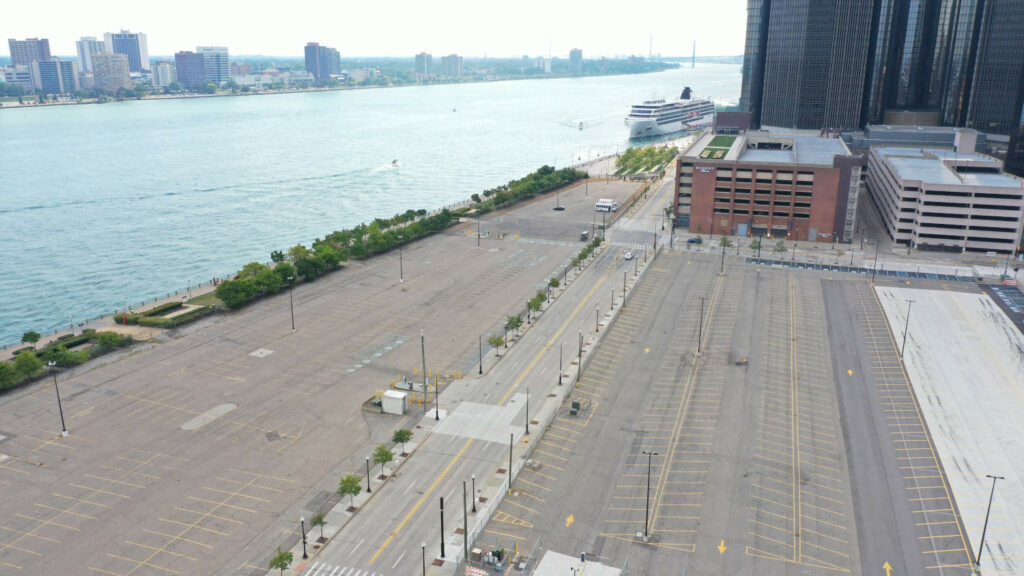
(29, 364)
(644, 159)
(162, 309)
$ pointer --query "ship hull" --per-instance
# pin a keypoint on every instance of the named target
(649, 128)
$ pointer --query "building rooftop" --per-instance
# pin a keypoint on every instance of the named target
(932, 166)
(769, 148)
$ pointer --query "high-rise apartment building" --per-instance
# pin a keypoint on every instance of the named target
(998, 69)
(111, 71)
(132, 45)
(216, 64)
(55, 76)
(191, 69)
(87, 46)
(452, 65)
(576, 62)
(24, 52)
(163, 73)
(321, 61)
(424, 64)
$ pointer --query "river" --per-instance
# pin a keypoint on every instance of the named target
(122, 202)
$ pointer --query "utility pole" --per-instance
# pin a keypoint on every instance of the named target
(647, 506)
(465, 524)
(442, 526)
(63, 427)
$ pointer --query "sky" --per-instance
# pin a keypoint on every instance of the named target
(402, 28)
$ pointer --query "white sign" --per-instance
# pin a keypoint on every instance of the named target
(705, 169)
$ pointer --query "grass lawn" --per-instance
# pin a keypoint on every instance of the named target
(721, 142)
(208, 299)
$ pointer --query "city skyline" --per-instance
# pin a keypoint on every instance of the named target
(532, 28)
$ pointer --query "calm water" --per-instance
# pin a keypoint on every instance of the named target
(103, 204)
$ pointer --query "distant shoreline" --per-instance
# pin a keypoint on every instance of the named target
(16, 105)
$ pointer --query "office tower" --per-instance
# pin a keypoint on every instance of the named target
(576, 62)
(24, 52)
(998, 69)
(191, 69)
(163, 73)
(20, 75)
(130, 44)
(216, 65)
(424, 64)
(1015, 153)
(111, 71)
(87, 46)
(962, 44)
(452, 65)
(814, 64)
(322, 62)
(753, 58)
(55, 76)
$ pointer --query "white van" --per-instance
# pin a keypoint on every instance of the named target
(606, 205)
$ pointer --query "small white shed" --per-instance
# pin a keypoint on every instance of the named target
(395, 402)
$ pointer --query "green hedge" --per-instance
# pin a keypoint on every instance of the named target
(162, 322)
(162, 309)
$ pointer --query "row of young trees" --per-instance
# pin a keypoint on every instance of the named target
(350, 485)
(644, 159)
(544, 180)
(30, 362)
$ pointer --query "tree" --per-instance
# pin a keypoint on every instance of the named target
(284, 271)
(475, 198)
(319, 520)
(755, 244)
(235, 293)
(349, 486)
(513, 323)
(534, 303)
(553, 282)
(8, 375)
(381, 455)
(495, 341)
(780, 246)
(401, 437)
(277, 256)
(30, 337)
(282, 561)
(26, 363)
(724, 242)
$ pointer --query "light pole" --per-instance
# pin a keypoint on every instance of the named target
(63, 428)
(647, 506)
(465, 524)
(474, 493)
(442, 526)
(597, 319)
(977, 561)
(874, 267)
(401, 267)
(302, 523)
(188, 288)
(368, 474)
(291, 300)
(700, 328)
(423, 548)
(527, 410)
(905, 328)
(560, 364)
(481, 354)
(478, 229)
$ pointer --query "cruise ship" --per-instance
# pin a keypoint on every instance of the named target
(661, 117)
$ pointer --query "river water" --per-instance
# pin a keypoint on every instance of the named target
(122, 202)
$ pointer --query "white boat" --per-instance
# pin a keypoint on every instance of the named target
(661, 117)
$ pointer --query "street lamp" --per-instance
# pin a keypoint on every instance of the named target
(423, 548)
(977, 561)
(647, 506)
(700, 329)
(905, 327)
(368, 474)
(442, 526)
(874, 267)
(481, 343)
(401, 267)
(291, 300)
(474, 493)
(302, 523)
(63, 428)
(560, 364)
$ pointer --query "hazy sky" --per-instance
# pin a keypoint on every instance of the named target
(392, 28)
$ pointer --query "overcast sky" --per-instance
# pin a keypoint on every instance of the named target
(392, 28)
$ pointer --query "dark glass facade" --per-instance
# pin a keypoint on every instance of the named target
(322, 61)
(963, 35)
(1015, 153)
(753, 59)
(999, 69)
(815, 62)
(191, 69)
